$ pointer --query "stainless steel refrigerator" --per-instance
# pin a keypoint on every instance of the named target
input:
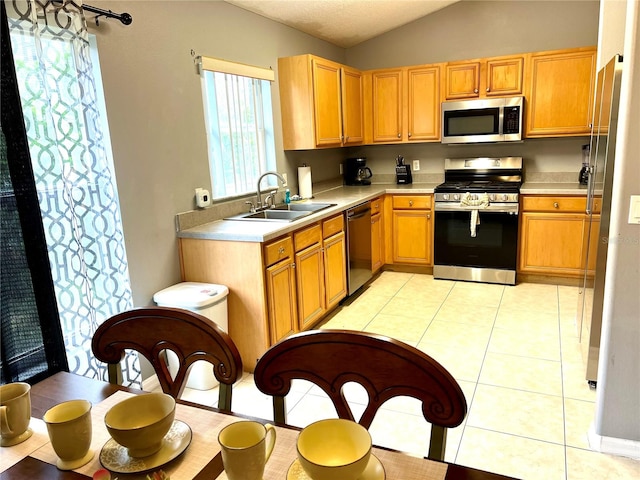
(601, 166)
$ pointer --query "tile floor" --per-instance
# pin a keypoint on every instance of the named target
(514, 352)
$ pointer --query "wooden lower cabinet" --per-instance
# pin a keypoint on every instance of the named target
(553, 235)
(310, 285)
(281, 299)
(377, 234)
(412, 229)
(335, 272)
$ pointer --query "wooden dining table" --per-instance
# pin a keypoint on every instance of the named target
(66, 386)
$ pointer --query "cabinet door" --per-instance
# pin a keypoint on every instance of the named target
(335, 269)
(327, 105)
(504, 76)
(552, 243)
(412, 236)
(560, 93)
(462, 80)
(352, 107)
(310, 283)
(376, 242)
(281, 300)
(387, 106)
(424, 103)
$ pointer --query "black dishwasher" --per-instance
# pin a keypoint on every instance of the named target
(358, 246)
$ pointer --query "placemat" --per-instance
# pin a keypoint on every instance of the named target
(204, 424)
(9, 456)
(397, 465)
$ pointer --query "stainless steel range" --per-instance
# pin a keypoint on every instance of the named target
(476, 220)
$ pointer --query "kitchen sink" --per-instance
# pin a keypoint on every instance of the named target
(283, 213)
(304, 207)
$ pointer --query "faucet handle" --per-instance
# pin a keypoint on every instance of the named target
(252, 207)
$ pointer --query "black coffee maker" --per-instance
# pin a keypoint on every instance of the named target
(356, 172)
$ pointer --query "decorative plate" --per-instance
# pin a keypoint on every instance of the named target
(115, 457)
(374, 471)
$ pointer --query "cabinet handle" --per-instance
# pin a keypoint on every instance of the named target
(475, 90)
(399, 135)
(428, 216)
(281, 250)
(411, 203)
(556, 205)
(409, 134)
(488, 89)
(293, 265)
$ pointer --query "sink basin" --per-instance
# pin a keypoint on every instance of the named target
(283, 213)
(305, 207)
(272, 215)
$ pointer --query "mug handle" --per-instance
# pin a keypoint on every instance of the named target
(270, 437)
(5, 428)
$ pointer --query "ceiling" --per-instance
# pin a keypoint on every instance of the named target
(344, 23)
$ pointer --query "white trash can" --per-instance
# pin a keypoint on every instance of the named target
(208, 300)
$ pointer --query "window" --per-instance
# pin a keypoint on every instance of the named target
(239, 123)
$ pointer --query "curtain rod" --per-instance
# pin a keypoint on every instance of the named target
(125, 18)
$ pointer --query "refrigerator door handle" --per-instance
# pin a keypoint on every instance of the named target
(590, 187)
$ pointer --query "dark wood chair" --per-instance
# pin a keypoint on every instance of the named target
(385, 367)
(192, 337)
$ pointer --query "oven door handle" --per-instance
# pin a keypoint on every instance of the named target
(492, 208)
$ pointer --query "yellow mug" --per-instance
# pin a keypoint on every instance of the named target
(69, 427)
(15, 413)
(246, 447)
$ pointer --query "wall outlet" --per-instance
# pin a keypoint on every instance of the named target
(416, 165)
(286, 180)
(203, 198)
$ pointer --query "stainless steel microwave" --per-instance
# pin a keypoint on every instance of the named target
(483, 121)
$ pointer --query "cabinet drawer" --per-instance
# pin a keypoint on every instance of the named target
(307, 237)
(376, 205)
(411, 202)
(332, 226)
(554, 204)
(278, 250)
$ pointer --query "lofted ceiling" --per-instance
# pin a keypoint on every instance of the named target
(344, 23)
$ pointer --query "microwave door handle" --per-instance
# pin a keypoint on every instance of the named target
(501, 121)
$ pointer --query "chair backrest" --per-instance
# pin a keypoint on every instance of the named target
(384, 367)
(192, 337)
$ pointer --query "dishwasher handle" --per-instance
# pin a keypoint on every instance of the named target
(358, 215)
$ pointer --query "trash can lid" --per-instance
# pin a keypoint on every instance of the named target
(191, 295)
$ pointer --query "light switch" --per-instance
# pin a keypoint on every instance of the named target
(634, 209)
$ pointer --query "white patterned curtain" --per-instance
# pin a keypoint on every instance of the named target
(70, 154)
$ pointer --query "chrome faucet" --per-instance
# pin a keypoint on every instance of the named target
(259, 193)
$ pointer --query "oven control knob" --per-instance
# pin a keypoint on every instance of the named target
(505, 197)
(456, 196)
(445, 196)
(492, 197)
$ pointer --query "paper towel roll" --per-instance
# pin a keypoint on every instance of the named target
(304, 182)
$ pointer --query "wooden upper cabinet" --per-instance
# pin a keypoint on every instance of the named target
(559, 92)
(423, 103)
(504, 76)
(405, 104)
(387, 105)
(487, 77)
(352, 106)
(321, 103)
(327, 102)
(463, 80)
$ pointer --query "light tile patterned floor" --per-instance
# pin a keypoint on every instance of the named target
(514, 352)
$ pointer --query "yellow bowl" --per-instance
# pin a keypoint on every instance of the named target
(140, 423)
(334, 448)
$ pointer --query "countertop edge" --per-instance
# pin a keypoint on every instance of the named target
(344, 197)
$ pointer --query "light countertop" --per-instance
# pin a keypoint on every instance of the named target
(344, 197)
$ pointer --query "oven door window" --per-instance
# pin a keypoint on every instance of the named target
(494, 246)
